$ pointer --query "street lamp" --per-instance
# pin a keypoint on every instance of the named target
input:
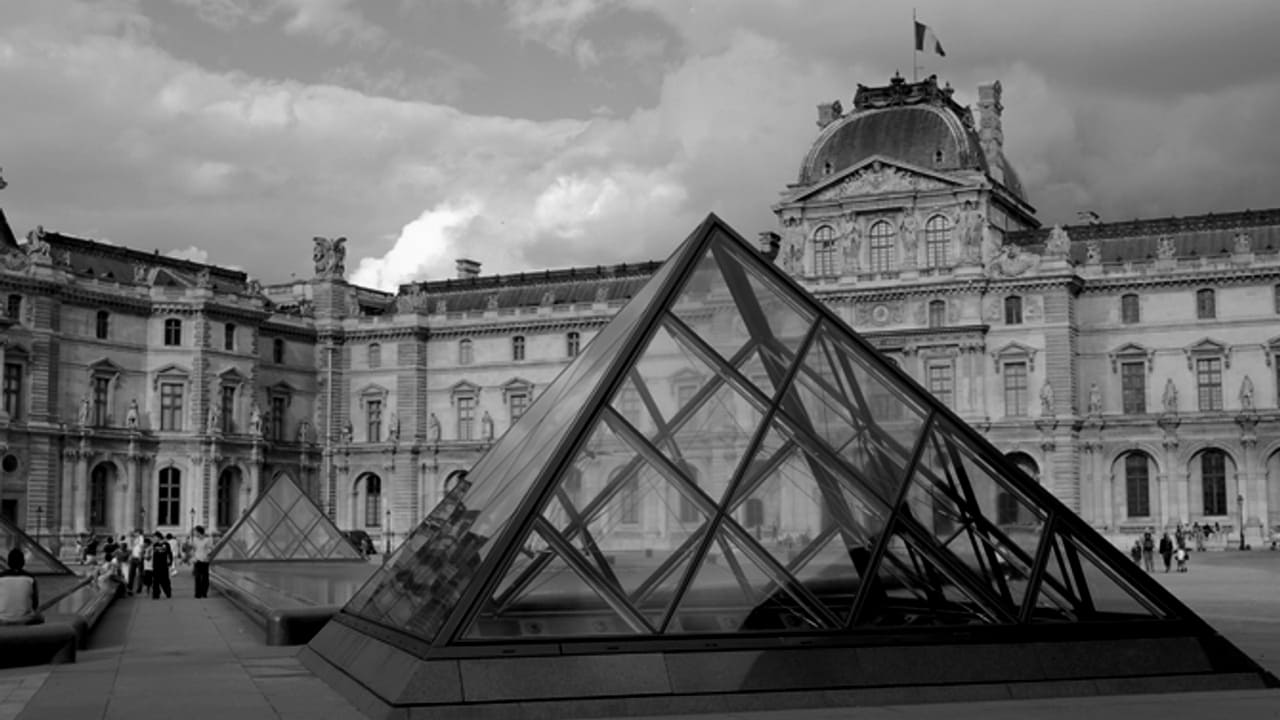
(1240, 504)
(387, 532)
(39, 521)
(192, 525)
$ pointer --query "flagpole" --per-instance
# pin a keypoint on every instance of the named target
(915, 52)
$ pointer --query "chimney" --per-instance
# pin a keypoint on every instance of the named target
(468, 269)
(990, 133)
(829, 113)
(768, 244)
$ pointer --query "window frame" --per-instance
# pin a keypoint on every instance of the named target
(100, 388)
(102, 325)
(465, 416)
(169, 504)
(517, 348)
(825, 251)
(1209, 371)
(373, 356)
(277, 351)
(937, 313)
(1218, 494)
(946, 382)
(1016, 397)
(229, 337)
(1013, 310)
(372, 501)
(99, 478)
(573, 344)
(937, 242)
(882, 247)
(1130, 309)
(466, 351)
(1140, 501)
(173, 332)
(1206, 304)
(13, 307)
(172, 405)
(1133, 401)
(13, 388)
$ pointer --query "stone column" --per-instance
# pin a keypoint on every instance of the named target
(81, 510)
(66, 511)
(1173, 474)
(1251, 483)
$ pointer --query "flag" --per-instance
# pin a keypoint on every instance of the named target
(926, 41)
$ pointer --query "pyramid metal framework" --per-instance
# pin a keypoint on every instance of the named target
(38, 560)
(284, 524)
(727, 464)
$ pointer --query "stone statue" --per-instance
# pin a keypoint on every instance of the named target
(37, 246)
(442, 307)
(253, 287)
(486, 426)
(131, 418)
(393, 427)
(548, 298)
(910, 227)
(330, 257)
(215, 417)
(304, 432)
(602, 293)
(1170, 397)
(1011, 260)
(792, 255)
(83, 419)
(853, 249)
(255, 419)
(491, 302)
(348, 433)
(1059, 244)
(1246, 394)
(1165, 248)
(1046, 399)
(204, 278)
(141, 274)
(1095, 400)
(1242, 244)
(433, 428)
(1093, 252)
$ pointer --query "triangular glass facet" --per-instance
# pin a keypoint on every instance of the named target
(284, 524)
(38, 561)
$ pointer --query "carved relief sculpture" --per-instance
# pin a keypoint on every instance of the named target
(215, 418)
(1093, 252)
(1170, 397)
(204, 278)
(910, 227)
(304, 432)
(1013, 260)
(131, 418)
(491, 302)
(602, 294)
(255, 419)
(330, 257)
(1242, 244)
(348, 433)
(393, 428)
(853, 246)
(83, 419)
(1246, 394)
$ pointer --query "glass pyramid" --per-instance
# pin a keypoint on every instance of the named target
(728, 458)
(38, 560)
(284, 524)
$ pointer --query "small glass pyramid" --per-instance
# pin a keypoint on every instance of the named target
(284, 524)
(38, 560)
(728, 458)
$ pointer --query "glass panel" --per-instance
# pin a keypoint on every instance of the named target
(267, 531)
(1108, 599)
(38, 561)
(911, 589)
(1058, 598)
(706, 305)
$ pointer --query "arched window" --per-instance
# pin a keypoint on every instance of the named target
(465, 352)
(1137, 485)
(374, 359)
(372, 501)
(937, 242)
(1130, 312)
(1213, 481)
(573, 344)
(228, 488)
(277, 351)
(98, 497)
(517, 347)
(824, 251)
(1206, 305)
(1013, 310)
(937, 313)
(169, 497)
(102, 325)
(172, 332)
(880, 244)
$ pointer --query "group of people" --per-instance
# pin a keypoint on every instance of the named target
(1171, 549)
(143, 564)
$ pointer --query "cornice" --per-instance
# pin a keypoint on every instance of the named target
(1183, 278)
(534, 326)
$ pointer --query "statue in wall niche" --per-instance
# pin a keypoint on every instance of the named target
(1170, 396)
(910, 227)
(255, 419)
(348, 433)
(433, 428)
(1093, 252)
(85, 409)
(1165, 248)
(393, 427)
(793, 256)
(486, 426)
(215, 417)
(853, 248)
(131, 417)
(491, 302)
(1095, 400)
(1242, 244)
(1246, 394)
(1059, 243)
(304, 432)
(1046, 399)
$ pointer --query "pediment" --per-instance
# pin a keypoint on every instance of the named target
(1131, 351)
(515, 385)
(105, 367)
(1206, 348)
(877, 175)
(172, 371)
(284, 388)
(370, 390)
(232, 376)
(1015, 350)
(463, 387)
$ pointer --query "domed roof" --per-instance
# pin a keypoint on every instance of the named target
(916, 123)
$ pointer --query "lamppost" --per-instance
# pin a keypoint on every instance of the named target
(1240, 504)
(39, 523)
(388, 535)
(191, 527)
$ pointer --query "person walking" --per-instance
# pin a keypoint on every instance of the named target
(1148, 552)
(201, 546)
(19, 594)
(1180, 555)
(1166, 551)
(136, 546)
(161, 562)
(148, 573)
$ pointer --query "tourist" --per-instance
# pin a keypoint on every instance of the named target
(1180, 555)
(1148, 552)
(109, 570)
(201, 545)
(136, 546)
(1135, 552)
(19, 595)
(1179, 537)
(1197, 533)
(173, 548)
(148, 570)
(1166, 550)
(161, 563)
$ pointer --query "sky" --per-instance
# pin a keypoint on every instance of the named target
(533, 134)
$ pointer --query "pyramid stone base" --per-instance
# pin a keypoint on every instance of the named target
(557, 681)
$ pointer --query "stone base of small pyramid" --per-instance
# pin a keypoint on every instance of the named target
(386, 679)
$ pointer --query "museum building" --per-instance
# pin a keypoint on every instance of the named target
(1133, 368)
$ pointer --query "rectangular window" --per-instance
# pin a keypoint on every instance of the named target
(15, 306)
(373, 421)
(937, 313)
(1133, 387)
(824, 258)
(228, 401)
(573, 344)
(1136, 484)
(1015, 389)
(1013, 311)
(1213, 482)
(277, 417)
(13, 390)
(1206, 305)
(941, 382)
(101, 396)
(228, 337)
(169, 497)
(519, 402)
(1129, 310)
(1209, 383)
(171, 406)
(517, 348)
(102, 325)
(466, 417)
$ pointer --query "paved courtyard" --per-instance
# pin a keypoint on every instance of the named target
(190, 659)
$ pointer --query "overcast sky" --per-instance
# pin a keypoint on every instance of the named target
(545, 133)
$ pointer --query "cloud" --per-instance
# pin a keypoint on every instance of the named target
(427, 243)
(331, 21)
(191, 252)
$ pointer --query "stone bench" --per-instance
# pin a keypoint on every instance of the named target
(285, 620)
